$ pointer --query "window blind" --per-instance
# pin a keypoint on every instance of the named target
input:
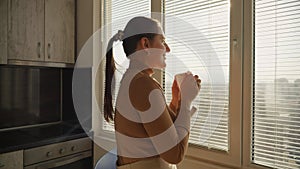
(116, 15)
(211, 19)
(276, 84)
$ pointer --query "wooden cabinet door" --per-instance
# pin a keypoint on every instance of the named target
(26, 30)
(60, 30)
(12, 160)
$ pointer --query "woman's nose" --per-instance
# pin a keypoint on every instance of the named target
(167, 47)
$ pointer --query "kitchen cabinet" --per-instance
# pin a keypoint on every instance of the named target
(60, 30)
(25, 30)
(12, 160)
(41, 31)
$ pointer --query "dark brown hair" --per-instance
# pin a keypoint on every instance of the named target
(133, 32)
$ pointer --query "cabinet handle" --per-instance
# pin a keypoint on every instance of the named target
(39, 49)
(49, 47)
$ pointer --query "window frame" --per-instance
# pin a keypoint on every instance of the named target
(248, 83)
(98, 74)
(240, 92)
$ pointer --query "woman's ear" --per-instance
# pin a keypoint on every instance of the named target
(144, 42)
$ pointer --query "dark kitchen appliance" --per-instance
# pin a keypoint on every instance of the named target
(36, 96)
(36, 111)
(29, 96)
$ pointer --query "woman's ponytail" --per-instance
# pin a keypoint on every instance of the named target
(109, 73)
(129, 46)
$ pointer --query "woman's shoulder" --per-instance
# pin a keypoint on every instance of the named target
(139, 91)
(145, 81)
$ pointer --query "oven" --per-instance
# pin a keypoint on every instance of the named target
(37, 114)
(75, 154)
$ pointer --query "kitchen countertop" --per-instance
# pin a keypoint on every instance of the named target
(19, 139)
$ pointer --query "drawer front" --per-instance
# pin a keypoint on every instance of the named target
(12, 160)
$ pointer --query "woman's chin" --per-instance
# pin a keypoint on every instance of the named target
(160, 66)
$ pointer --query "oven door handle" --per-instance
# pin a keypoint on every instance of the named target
(62, 162)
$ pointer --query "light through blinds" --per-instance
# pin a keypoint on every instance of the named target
(276, 84)
(198, 35)
(116, 15)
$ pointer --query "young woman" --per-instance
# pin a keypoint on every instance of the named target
(150, 134)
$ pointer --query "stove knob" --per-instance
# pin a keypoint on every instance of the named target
(62, 150)
(49, 154)
(73, 148)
